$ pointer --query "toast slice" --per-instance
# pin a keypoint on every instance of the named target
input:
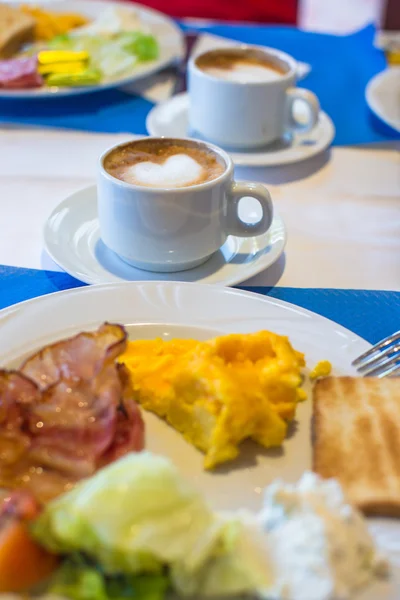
(16, 29)
(356, 430)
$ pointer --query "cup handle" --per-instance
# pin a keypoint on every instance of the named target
(310, 100)
(235, 226)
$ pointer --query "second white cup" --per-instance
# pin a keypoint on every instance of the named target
(243, 97)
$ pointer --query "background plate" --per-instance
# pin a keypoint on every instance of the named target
(383, 96)
(165, 30)
(170, 119)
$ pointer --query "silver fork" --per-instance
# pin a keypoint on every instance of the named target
(381, 360)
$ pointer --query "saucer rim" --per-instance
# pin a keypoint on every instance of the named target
(255, 158)
(87, 194)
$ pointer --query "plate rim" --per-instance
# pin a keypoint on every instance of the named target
(10, 312)
(65, 92)
(372, 84)
(240, 158)
(258, 266)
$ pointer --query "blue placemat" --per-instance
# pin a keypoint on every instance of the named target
(371, 314)
(341, 69)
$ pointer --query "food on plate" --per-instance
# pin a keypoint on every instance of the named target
(81, 78)
(19, 73)
(16, 29)
(321, 369)
(357, 439)
(49, 24)
(80, 579)
(137, 515)
(110, 47)
(23, 562)
(114, 56)
(66, 64)
(220, 392)
(50, 57)
(138, 523)
(318, 544)
(113, 20)
(67, 412)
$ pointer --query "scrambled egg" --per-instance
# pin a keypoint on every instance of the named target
(321, 369)
(220, 392)
(50, 24)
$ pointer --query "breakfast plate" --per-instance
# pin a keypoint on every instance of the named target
(72, 239)
(383, 96)
(163, 28)
(167, 310)
(170, 119)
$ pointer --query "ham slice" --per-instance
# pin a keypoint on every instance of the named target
(69, 411)
(20, 73)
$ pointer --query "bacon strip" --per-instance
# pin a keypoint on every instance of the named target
(69, 411)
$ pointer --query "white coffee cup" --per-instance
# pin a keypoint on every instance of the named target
(174, 229)
(246, 114)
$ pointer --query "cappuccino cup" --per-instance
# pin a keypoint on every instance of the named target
(167, 204)
(243, 97)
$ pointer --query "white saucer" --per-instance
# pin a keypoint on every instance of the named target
(72, 239)
(170, 119)
(383, 96)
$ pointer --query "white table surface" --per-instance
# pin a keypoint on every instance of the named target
(342, 208)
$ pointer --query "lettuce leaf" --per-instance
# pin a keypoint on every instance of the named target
(144, 46)
(135, 515)
(139, 516)
(78, 579)
(241, 565)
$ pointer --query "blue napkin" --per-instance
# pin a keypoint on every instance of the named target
(341, 69)
(371, 314)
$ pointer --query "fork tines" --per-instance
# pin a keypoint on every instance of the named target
(382, 359)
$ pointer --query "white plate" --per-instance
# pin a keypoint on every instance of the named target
(191, 310)
(72, 239)
(383, 96)
(166, 31)
(170, 119)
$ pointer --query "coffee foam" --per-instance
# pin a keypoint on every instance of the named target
(178, 170)
(244, 72)
(164, 163)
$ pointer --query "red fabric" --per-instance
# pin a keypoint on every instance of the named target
(263, 11)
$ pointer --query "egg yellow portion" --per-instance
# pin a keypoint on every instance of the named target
(321, 369)
(220, 392)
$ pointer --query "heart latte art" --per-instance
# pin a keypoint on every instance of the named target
(179, 170)
(163, 163)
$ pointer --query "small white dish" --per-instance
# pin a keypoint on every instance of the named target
(72, 239)
(170, 119)
(383, 96)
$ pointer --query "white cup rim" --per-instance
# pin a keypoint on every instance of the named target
(267, 50)
(182, 190)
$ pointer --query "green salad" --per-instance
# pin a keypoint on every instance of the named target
(80, 579)
(111, 55)
(137, 528)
